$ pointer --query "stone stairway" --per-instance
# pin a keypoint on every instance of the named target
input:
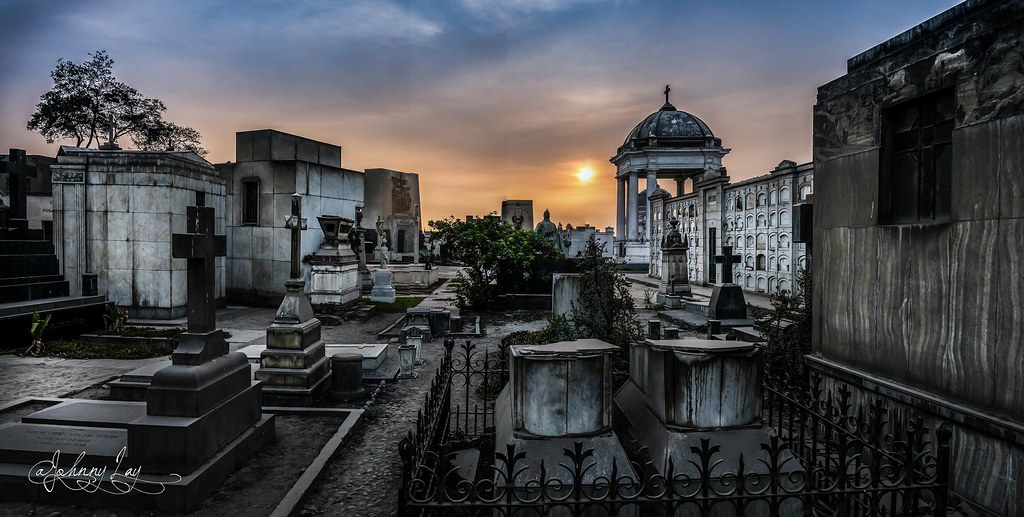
(28, 265)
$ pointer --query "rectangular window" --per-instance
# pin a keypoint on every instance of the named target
(917, 159)
(251, 201)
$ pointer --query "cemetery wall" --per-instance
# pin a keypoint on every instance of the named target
(934, 309)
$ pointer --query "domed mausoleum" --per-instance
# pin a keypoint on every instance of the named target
(667, 144)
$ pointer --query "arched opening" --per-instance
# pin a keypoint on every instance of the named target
(805, 190)
(750, 201)
(739, 203)
(762, 284)
(773, 264)
(783, 241)
(750, 221)
(784, 263)
(783, 285)
(772, 219)
(773, 197)
(761, 263)
(750, 241)
(750, 282)
(750, 262)
(784, 218)
(762, 221)
(762, 199)
(783, 198)
(773, 241)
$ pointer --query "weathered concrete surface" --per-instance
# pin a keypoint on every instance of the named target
(937, 307)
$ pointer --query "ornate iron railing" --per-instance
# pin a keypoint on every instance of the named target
(824, 455)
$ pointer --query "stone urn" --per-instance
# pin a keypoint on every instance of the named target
(335, 229)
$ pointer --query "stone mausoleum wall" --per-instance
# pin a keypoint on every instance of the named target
(113, 215)
(933, 312)
(283, 164)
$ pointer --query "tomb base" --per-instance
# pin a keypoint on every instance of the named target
(293, 367)
(334, 283)
(383, 291)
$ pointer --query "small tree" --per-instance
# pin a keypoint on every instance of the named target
(498, 258)
(161, 135)
(788, 331)
(604, 309)
(84, 96)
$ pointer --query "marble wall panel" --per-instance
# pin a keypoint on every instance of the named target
(1011, 167)
(975, 178)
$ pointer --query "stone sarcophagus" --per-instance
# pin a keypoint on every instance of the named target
(562, 389)
(698, 383)
(334, 278)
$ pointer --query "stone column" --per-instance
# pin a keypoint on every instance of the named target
(631, 207)
(652, 184)
(680, 186)
(620, 209)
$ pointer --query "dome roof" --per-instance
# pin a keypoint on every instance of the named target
(669, 127)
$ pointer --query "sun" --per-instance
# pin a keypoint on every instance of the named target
(585, 174)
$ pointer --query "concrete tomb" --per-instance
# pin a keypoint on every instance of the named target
(293, 367)
(727, 301)
(559, 394)
(334, 277)
(681, 391)
(383, 290)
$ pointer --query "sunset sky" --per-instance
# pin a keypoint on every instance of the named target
(485, 100)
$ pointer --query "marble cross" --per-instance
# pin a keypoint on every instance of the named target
(296, 223)
(727, 259)
(201, 247)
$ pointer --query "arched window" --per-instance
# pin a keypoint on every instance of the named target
(783, 263)
(771, 220)
(750, 201)
(761, 221)
(739, 203)
(761, 262)
(750, 262)
(783, 198)
(772, 264)
(728, 240)
(771, 285)
(762, 284)
(750, 241)
(762, 241)
(762, 199)
(750, 221)
(801, 262)
(739, 278)
(773, 197)
(783, 241)
(805, 190)
(773, 241)
(750, 282)
(783, 285)
(784, 218)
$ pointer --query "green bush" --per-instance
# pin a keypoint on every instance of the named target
(788, 331)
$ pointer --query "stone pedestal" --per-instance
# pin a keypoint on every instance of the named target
(727, 303)
(335, 268)
(293, 368)
(565, 292)
(346, 377)
(653, 329)
(383, 291)
(675, 275)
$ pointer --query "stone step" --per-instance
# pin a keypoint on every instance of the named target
(37, 279)
(33, 291)
(28, 265)
(21, 234)
(26, 247)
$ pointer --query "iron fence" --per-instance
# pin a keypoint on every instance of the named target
(824, 454)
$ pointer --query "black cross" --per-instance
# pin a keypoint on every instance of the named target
(201, 247)
(296, 223)
(667, 89)
(727, 259)
(18, 172)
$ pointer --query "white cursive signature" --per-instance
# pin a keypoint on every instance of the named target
(90, 479)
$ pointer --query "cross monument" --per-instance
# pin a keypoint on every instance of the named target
(296, 223)
(727, 259)
(201, 247)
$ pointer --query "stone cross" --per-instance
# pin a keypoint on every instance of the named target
(296, 223)
(667, 89)
(201, 247)
(727, 259)
(18, 172)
